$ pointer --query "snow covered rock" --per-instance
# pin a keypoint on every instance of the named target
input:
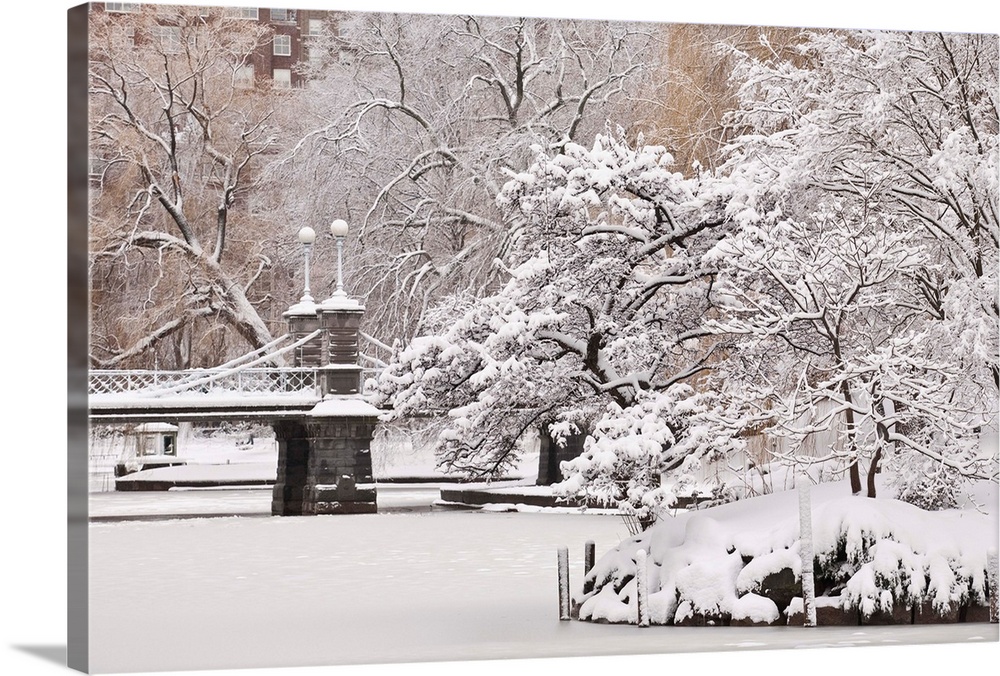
(830, 612)
(751, 610)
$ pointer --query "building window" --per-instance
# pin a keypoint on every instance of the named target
(121, 7)
(282, 14)
(244, 77)
(316, 55)
(169, 38)
(315, 27)
(196, 38)
(282, 45)
(97, 167)
(242, 12)
(282, 78)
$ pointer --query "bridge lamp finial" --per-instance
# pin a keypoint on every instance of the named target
(307, 236)
(339, 230)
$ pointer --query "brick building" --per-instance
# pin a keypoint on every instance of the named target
(295, 41)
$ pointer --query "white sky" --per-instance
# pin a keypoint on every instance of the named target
(33, 277)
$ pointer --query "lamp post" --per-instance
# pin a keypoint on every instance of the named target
(307, 236)
(339, 230)
(334, 474)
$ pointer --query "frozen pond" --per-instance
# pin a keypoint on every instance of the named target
(237, 502)
(400, 586)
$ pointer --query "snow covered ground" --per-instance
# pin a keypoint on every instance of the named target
(240, 592)
(195, 579)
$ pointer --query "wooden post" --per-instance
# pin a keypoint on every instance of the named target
(564, 583)
(588, 565)
(992, 584)
(641, 589)
(806, 552)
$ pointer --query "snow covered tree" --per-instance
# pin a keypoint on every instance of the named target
(417, 119)
(863, 277)
(844, 262)
(688, 104)
(598, 330)
(179, 128)
(829, 334)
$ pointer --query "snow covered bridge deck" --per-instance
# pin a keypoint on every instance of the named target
(201, 395)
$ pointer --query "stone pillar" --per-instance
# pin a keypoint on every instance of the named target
(291, 436)
(339, 478)
(324, 457)
(293, 465)
(324, 461)
(303, 320)
(340, 373)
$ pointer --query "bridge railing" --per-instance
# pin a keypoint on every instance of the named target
(248, 380)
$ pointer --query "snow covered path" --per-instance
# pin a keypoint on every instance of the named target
(238, 592)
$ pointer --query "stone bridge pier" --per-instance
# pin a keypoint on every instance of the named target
(324, 466)
(324, 456)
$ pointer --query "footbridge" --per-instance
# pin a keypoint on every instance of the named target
(238, 390)
(322, 424)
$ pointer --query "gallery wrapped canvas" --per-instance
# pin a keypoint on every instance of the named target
(408, 338)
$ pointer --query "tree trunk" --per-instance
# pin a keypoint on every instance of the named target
(875, 466)
(551, 455)
(243, 316)
(851, 447)
(873, 469)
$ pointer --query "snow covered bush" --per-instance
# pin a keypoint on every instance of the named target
(927, 483)
(872, 555)
(897, 555)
